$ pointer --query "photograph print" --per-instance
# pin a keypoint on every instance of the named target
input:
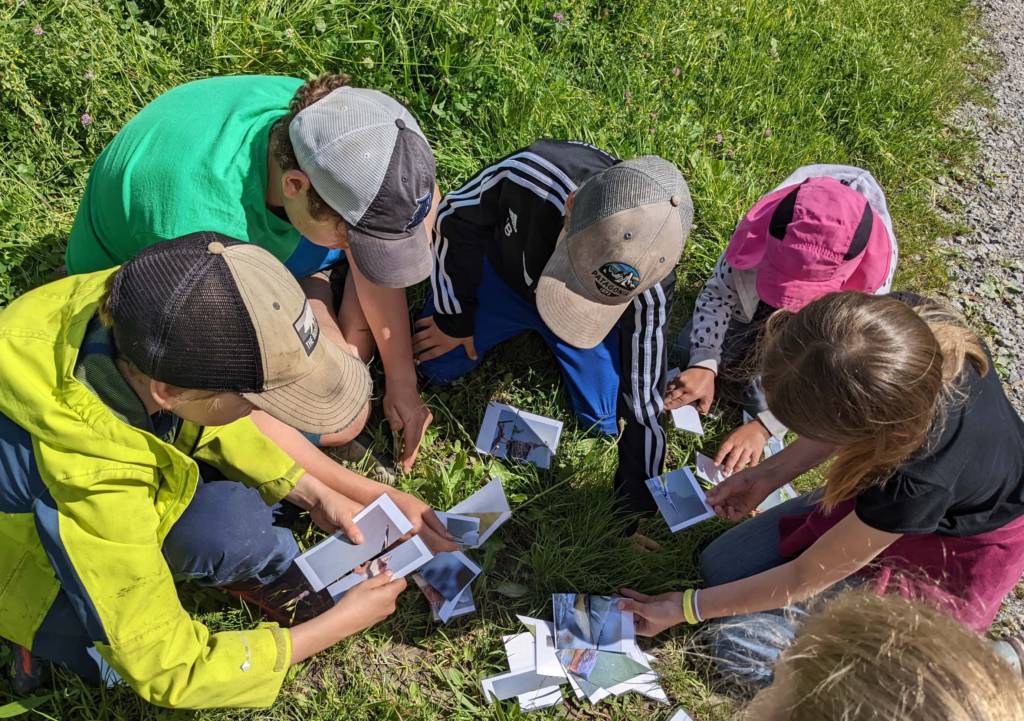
(449, 574)
(382, 524)
(680, 499)
(590, 622)
(516, 435)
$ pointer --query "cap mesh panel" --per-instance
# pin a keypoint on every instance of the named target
(179, 318)
(629, 184)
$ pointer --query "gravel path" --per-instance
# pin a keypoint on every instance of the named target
(988, 273)
(987, 270)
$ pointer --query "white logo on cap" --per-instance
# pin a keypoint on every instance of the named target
(307, 328)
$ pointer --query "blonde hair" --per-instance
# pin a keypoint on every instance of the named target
(870, 374)
(865, 657)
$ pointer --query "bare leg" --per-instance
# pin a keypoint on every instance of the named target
(353, 323)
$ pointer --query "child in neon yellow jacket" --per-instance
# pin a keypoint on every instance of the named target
(124, 400)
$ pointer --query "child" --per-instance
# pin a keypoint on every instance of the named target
(825, 229)
(313, 172)
(870, 658)
(124, 397)
(924, 493)
(562, 239)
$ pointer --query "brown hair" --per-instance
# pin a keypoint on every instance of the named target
(865, 657)
(870, 374)
(281, 143)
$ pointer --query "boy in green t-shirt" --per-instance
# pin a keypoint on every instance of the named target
(311, 172)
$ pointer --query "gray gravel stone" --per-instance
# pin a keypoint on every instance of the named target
(987, 264)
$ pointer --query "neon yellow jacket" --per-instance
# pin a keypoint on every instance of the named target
(118, 491)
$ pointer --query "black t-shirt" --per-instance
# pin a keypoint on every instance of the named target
(968, 480)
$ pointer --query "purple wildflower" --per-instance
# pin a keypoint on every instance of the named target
(731, 152)
(88, 76)
(38, 31)
(558, 17)
(86, 119)
(719, 138)
(768, 132)
(627, 95)
(676, 71)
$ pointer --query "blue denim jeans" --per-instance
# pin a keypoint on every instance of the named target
(745, 648)
(227, 534)
(591, 375)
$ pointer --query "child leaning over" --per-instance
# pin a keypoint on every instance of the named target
(826, 228)
(924, 494)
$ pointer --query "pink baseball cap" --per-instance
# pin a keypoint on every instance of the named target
(811, 239)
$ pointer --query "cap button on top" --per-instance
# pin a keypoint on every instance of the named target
(400, 123)
(674, 200)
(215, 247)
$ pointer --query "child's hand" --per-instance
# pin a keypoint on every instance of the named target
(370, 602)
(738, 495)
(431, 342)
(692, 385)
(424, 521)
(653, 614)
(742, 447)
(334, 511)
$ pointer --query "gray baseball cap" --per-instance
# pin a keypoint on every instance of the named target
(367, 158)
(625, 234)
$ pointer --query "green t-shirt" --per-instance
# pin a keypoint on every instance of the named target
(193, 159)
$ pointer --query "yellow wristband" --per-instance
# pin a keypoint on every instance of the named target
(688, 614)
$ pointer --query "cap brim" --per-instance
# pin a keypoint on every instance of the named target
(792, 294)
(392, 262)
(578, 321)
(748, 241)
(325, 400)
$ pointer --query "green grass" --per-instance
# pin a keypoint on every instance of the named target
(784, 83)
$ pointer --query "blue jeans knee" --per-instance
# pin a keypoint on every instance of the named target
(227, 535)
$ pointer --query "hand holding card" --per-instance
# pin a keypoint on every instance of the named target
(686, 418)
(709, 470)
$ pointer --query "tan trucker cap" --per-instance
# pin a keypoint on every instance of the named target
(210, 312)
(625, 234)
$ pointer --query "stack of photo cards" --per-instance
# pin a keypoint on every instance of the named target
(447, 580)
(513, 434)
(686, 418)
(591, 646)
(680, 499)
(329, 564)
